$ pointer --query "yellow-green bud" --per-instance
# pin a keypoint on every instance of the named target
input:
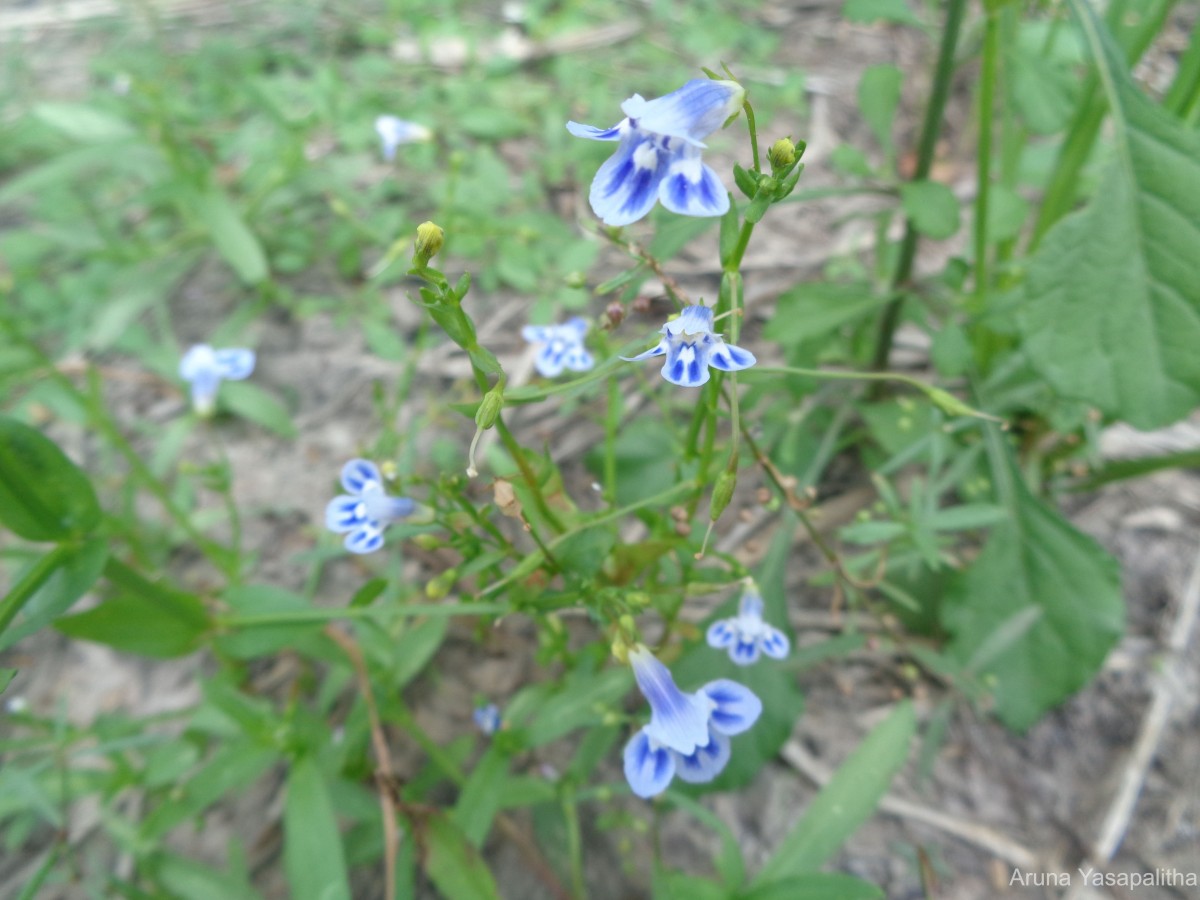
(489, 409)
(430, 238)
(722, 494)
(782, 154)
(439, 586)
(627, 625)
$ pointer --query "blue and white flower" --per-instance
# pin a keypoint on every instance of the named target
(487, 718)
(747, 635)
(204, 368)
(691, 346)
(365, 510)
(559, 347)
(688, 734)
(658, 157)
(393, 132)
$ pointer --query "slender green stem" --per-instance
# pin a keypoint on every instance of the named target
(333, 614)
(574, 843)
(752, 126)
(930, 129)
(23, 590)
(983, 177)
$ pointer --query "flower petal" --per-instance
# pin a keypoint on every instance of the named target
(367, 538)
(578, 359)
(729, 358)
(745, 651)
(694, 319)
(693, 189)
(677, 720)
(647, 769)
(592, 133)
(692, 112)
(204, 390)
(235, 364)
(574, 328)
(687, 363)
(774, 642)
(706, 763)
(750, 605)
(356, 474)
(198, 360)
(549, 360)
(626, 186)
(487, 718)
(736, 706)
(382, 509)
(345, 513)
(721, 634)
(538, 334)
(657, 350)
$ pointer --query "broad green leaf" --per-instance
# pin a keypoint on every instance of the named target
(139, 288)
(1112, 310)
(453, 865)
(233, 767)
(932, 207)
(867, 11)
(815, 886)
(6, 677)
(232, 236)
(261, 640)
(186, 879)
(547, 711)
(1044, 90)
(43, 495)
(813, 309)
(845, 802)
(1038, 611)
(669, 885)
(83, 123)
(481, 796)
(878, 97)
(132, 158)
(1006, 215)
(144, 618)
(312, 847)
(252, 402)
(415, 648)
(76, 568)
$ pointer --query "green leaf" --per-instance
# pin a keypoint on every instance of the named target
(75, 569)
(815, 886)
(145, 618)
(415, 648)
(252, 402)
(83, 123)
(232, 236)
(1039, 609)
(670, 885)
(845, 802)
(813, 309)
(187, 879)
(867, 11)
(43, 495)
(1043, 89)
(6, 677)
(481, 796)
(312, 847)
(1112, 311)
(932, 207)
(453, 865)
(878, 97)
(261, 640)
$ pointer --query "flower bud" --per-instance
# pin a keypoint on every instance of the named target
(722, 494)
(489, 409)
(782, 154)
(430, 238)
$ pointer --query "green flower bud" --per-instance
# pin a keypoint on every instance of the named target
(722, 494)
(430, 238)
(782, 154)
(489, 409)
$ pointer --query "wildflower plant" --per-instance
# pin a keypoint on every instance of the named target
(574, 516)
